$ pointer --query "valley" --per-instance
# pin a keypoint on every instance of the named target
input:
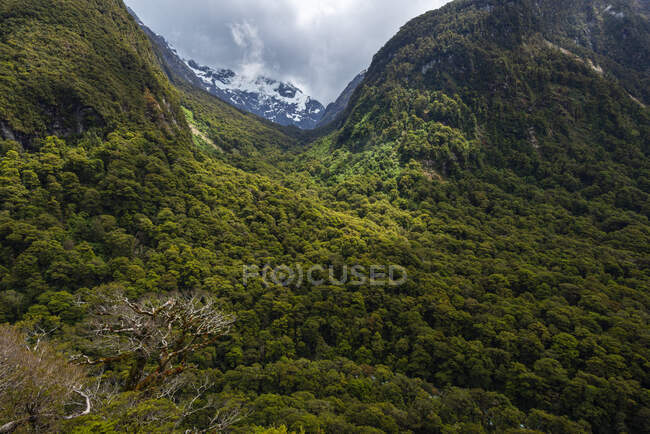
(482, 153)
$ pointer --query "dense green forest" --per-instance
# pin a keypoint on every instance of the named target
(496, 150)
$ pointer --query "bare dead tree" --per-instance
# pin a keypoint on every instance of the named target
(225, 417)
(37, 385)
(37, 335)
(222, 415)
(156, 334)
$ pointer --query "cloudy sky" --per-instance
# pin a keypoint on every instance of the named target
(318, 45)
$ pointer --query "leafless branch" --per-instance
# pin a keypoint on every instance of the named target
(36, 383)
(159, 330)
(226, 417)
(88, 405)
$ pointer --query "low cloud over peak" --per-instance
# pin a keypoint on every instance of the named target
(317, 45)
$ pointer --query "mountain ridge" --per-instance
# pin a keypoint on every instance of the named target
(334, 109)
(499, 68)
(278, 102)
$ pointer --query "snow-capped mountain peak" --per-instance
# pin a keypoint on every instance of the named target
(276, 101)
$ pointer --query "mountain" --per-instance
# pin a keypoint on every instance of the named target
(168, 58)
(137, 196)
(279, 102)
(337, 107)
(496, 151)
(234, 134)
(521, 88)
(502, 116)
(44, 92)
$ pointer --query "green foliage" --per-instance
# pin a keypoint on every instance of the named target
(508, 177)
(239, 135)
(72, 66)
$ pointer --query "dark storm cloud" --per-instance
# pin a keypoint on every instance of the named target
(318, 45)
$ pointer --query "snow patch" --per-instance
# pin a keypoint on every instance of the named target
(267, 89)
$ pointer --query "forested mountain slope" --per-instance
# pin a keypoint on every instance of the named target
(506, 173)
(527, 86)
(519, 130)
(63, 74)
